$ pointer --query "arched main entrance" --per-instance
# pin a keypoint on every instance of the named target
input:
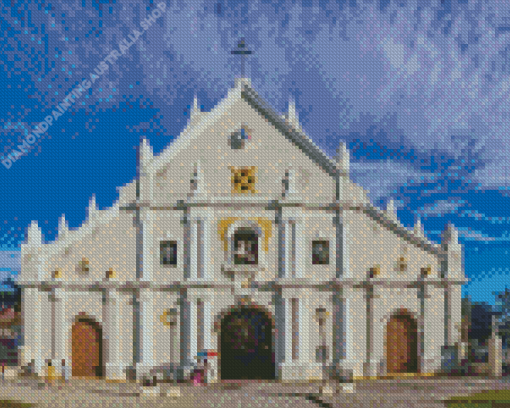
(87, 348)
(246, 346)
(402, 344)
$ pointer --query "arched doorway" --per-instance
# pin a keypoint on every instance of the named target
(402, 344)
(87, 348)
(246, 346)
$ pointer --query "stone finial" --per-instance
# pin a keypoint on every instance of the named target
(292, 114)
(418, 228)
(390, 209)
(92, 209)
(450, 235)
(146, 154)
(343, 158)
(63, 228)
(34, 234)
(195, 111)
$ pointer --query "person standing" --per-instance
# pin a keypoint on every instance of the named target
(64, 371)
(206, 372)
(51, 374)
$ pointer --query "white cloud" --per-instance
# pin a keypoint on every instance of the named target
(440, 207)
(381, 178)
(10, 260)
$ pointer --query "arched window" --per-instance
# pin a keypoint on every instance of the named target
(246, 248)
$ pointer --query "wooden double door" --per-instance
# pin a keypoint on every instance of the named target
(87, 349)
(402, 345)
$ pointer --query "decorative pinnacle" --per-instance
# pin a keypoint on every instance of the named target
(34, 234)
(146, 154)
(195, 111)
(292, 114)
(390, 208)
(343, 158)
(63, 228)
(92, 209)
(418, 227)
(450, 235)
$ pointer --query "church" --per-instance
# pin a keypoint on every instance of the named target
(244, 239)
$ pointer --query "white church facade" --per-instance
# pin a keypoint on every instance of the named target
(242, 237)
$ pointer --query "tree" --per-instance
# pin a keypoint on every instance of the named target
(503, 310)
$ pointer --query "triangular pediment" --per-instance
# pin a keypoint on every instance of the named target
(244, 91)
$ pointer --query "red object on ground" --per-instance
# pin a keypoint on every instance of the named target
(6, 315)
(197, 379)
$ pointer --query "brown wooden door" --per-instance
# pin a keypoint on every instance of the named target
(401, 345)
(86, 349)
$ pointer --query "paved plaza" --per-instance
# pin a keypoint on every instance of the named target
(408, 393)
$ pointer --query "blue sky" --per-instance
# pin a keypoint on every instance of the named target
(419, 93)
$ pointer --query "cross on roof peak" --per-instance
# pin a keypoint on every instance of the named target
(241, 50)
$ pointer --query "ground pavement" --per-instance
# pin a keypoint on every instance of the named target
(394, 393)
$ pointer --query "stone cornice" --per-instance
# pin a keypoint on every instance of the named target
(296, 283)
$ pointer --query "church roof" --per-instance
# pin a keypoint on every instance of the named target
(296, 136)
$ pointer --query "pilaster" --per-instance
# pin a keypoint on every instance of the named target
(198, 242)
(342, 253)
(111, 314)
(32, 329)
(146, 310)
(59, 328)
(369, 366)
(188, 331)
(296, 364)
(147, 244)
(343, 337)
(422, 295)
(291, 242)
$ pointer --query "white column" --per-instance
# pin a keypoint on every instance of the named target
(60, 329)
(280, 332)
(343, 342)
(288, 330)
(38, 332)
(422, 291)
(174, 337)
(342, 254)
(146, 358)
(212, 375)
(201, 243)
(148, 253)
(305, 319)
(289, 250)
(300, 250)
(186, 243)
(188, 331)
(369, 368)
(194, 261)
(111, 314)
(295, 344)
(32, 329)
(204, 248)
(208, 323)
(282, 237)
(432, 347)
